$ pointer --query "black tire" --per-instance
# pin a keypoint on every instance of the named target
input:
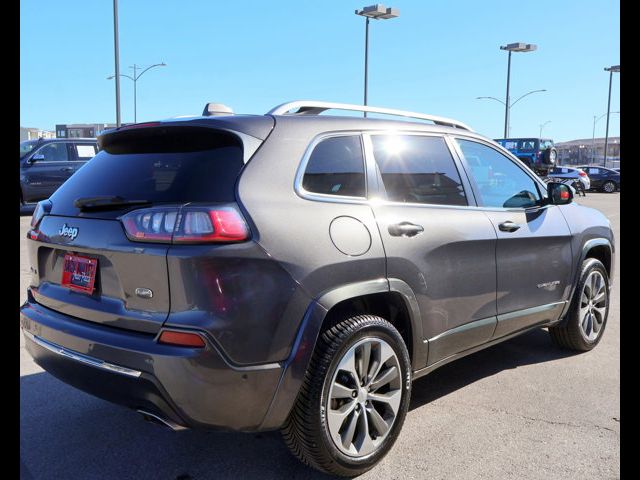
(609, 186)
(306, 431)
(570, 335)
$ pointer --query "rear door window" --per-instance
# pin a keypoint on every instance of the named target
(336, 167)
(418, 169)
(160, 165)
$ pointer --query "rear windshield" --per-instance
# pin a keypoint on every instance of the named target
(159, 165)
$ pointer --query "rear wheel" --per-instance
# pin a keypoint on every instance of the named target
(354, 398)
(587, 316)
(609, 186)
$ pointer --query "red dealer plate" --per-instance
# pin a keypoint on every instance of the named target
(79, 273)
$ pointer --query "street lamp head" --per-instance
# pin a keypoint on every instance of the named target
(378, 12)
(111, 77)
(614, 69)
(519, 47)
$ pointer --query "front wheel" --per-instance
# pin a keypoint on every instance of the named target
(587, 316)
(354, 397)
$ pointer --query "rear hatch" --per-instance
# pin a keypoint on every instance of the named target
(161, 166)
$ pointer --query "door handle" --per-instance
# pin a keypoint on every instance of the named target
(66, 169)
(405, 229)
(508, 226)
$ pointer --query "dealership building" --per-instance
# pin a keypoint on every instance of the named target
(589, 151)
(82, 130)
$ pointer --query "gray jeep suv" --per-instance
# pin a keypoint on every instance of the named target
(297, 271)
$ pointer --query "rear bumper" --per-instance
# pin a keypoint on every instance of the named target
(190, 387)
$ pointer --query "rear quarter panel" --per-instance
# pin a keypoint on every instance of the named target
(294, 231)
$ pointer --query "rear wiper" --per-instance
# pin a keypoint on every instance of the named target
(106, 202)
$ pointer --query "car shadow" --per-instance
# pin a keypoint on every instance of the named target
(527, 349)
(65, 433)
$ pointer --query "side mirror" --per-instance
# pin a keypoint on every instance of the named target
(36, 157)
(559, 193)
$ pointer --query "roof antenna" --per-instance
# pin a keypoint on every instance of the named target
(216, 109)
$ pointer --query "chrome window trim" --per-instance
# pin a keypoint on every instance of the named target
(81, 358)
(321, 197)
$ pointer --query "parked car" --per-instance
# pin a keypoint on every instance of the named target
(297, 271)
(45, 164)
(539, 154)
(579, 176)
(605, 179)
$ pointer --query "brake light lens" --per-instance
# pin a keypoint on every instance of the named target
(42, 208)
(181, 339)
(186, 225)
(139, 125)
(582, 174)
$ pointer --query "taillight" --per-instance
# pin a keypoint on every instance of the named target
(42, 208)
(582, 174)
(181, 339)
(187, 225)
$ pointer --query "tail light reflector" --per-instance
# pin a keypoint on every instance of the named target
(192, 224)
(181, 339)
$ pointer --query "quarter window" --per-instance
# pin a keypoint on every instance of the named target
(336, 167)
(85, 152)
(417, 169)
(501, 183)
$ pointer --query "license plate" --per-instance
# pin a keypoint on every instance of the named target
(79, 273)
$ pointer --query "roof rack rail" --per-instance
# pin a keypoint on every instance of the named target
(312, 107)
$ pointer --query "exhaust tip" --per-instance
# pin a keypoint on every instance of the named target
(153, 418)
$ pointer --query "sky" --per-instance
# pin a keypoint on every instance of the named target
(436, 58)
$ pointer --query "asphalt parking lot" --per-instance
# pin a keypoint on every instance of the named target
(519, 410)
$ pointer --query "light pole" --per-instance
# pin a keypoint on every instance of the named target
(513, 47)
(593, 135)
(542, 125)
(377, 12)
(507, 129)
(611, 70)
(135, 78)
(116, 49)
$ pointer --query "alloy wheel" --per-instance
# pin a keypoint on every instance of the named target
(593, 305)
(364, 397)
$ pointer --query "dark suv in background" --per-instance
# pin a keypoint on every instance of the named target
(539, 154)
(45, 164)
(297, 271)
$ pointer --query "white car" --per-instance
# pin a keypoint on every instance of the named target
(570, 175)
